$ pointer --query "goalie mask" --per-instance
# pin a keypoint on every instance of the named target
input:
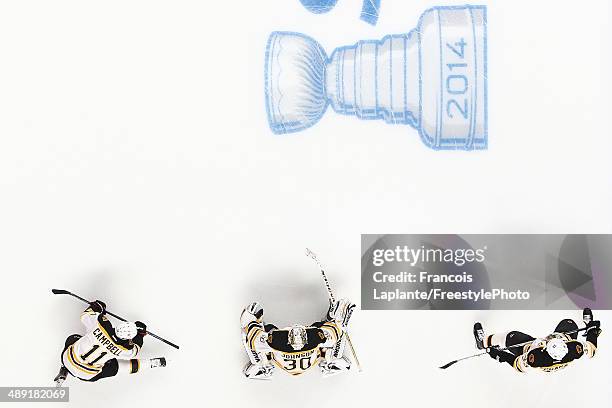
(556, 349)
(297, 337)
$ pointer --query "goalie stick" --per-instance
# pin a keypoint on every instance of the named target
(65, 292)
(445, 366)
(313, 256)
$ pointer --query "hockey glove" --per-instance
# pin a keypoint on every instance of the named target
(98, 306)
(255, 309)
(141, 328)
(500, 356)
(593, 325)
(592, 332)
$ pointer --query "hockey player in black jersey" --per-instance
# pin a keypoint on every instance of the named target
(104, 350)
(297, 348)
(551, 353)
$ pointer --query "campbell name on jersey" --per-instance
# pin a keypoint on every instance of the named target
(106, 342)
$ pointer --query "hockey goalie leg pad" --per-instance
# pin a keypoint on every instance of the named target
(329, 368)
(258, 371)
(338, 350)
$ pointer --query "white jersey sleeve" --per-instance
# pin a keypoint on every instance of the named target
(89, 318)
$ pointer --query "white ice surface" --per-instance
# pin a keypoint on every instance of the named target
(136, 166)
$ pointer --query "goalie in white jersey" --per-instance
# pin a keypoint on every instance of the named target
(104, 350)
(297, 348)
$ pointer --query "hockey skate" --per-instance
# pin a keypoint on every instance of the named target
(479, 336)
(158, 362)
(258, 372)
(61, 376)
(329, 368)
(587, 315)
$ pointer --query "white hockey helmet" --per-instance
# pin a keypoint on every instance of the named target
(556, 348)
(126, 330)
(297, 337)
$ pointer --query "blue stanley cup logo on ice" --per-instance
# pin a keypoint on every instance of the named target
(432, 78)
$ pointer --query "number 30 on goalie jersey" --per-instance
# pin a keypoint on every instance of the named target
(321, 338)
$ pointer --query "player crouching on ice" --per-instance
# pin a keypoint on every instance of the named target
(104, 350)
(554, 352)
(297, 348)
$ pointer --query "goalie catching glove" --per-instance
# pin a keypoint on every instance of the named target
(340, 312)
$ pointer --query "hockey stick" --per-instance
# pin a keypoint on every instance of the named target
(65, 292)
(445, 366)
(312, 255)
